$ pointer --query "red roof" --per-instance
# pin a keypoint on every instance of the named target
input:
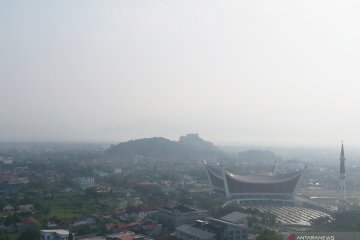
(30, 220)
(121, 225)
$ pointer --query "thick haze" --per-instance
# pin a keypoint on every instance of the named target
(246, 72)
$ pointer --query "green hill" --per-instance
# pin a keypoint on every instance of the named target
(190, 146)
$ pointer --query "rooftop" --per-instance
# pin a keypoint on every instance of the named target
(195, 232)
(253, 178)
(181, 209)
(264, 178)
(58, 231)
(235, 217)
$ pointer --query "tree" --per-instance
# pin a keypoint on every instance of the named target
(91, 192)
(32, 235)
(4, 236)
(269, 235)
(348, 221)
(71, 236)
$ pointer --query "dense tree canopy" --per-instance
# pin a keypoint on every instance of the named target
(269, 235)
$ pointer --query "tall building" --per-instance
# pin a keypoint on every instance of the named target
(342, 192)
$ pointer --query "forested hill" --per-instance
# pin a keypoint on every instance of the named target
(190, 146)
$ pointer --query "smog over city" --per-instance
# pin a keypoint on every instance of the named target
(179, 119)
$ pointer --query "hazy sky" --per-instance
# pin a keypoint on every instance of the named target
(246, 72)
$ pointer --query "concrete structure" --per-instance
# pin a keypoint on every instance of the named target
(290, 215)
(230, 227)
(187, 232)
(26, 208)
(85, 182)
(342, 190)
(179, 215)
(253, 187)
(58, 234)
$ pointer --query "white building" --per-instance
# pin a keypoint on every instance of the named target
(85, 182)
(58, 234)
(233, 226)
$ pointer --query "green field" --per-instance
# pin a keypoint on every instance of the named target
(67, 206)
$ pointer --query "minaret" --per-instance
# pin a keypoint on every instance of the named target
(342, 194)
(274, 168)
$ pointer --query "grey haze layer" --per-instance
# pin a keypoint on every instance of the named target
(254, 72)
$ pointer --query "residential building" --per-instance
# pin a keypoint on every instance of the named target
(85, 182)
(172, 217)
(127, 235)
(230, 227)
(58, 234)
(188, 232)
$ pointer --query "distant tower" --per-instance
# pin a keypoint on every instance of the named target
(274, 168)
(342, 193)
(52, 173)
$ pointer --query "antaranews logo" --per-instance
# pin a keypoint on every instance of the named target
(315, 238)
(323, 236)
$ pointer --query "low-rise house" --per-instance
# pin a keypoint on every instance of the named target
(8, 209)
(127, 217)
(51, 225)
(151, 228)
(26, 208)
(85, 182)
(85, 221)
(58, 234)
(127, 235)
(116, 227)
